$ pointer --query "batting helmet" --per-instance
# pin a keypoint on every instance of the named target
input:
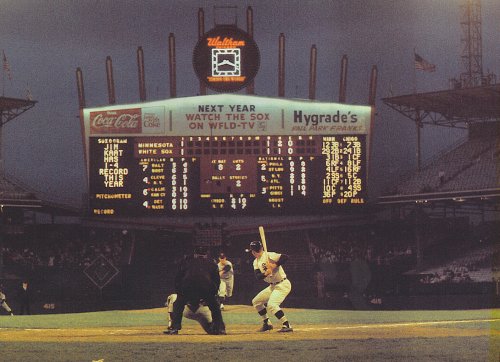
(256, 245)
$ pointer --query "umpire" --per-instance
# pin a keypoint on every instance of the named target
(197, 281)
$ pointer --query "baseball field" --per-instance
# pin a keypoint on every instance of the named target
(319, 335)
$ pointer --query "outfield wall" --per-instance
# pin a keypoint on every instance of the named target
(68, 291)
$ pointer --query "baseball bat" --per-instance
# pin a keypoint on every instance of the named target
(263, 238)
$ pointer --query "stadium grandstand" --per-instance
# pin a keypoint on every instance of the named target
(459, 187)
(13, 192)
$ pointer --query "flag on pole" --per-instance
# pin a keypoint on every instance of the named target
(422, 64)
(6, 66)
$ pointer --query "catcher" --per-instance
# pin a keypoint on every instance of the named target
(200, 313)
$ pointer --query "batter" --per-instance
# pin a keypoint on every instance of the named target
(268, 266)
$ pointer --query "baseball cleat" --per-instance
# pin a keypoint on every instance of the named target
(265, 327)
(171, 331)
(286, 329)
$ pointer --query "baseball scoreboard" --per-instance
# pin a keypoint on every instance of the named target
(226, 154)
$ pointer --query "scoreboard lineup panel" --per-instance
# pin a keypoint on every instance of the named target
(226, 154)
(226, 175)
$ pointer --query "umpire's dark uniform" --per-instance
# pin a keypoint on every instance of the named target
(197, 279)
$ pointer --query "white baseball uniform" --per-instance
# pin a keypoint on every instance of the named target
(4, 304)
(226, 279)
(279, 285)
(202, 313)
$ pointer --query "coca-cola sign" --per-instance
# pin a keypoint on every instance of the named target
(116, 121)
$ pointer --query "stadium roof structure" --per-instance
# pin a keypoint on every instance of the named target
(10, 108)
(450, 108)
(11, 194)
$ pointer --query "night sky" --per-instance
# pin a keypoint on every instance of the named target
(45, 41)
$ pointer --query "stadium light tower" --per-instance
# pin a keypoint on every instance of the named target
(471, 40)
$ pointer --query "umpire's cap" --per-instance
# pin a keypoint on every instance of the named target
(255, 245)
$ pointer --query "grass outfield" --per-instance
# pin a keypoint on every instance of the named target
(319, 335)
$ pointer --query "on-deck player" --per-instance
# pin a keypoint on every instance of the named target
(226, 273)
(269, 267)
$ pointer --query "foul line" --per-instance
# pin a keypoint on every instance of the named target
(361, 326)
(392, 325)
